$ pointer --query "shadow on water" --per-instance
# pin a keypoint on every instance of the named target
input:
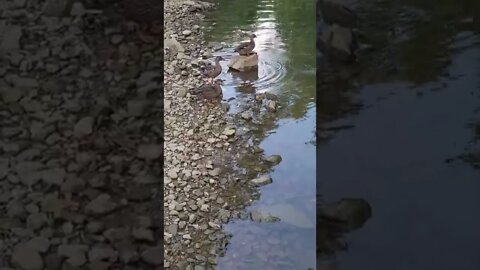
(285, 46)
(394, 130)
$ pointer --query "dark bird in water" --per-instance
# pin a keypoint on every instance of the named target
(246, 48)
(212, 71)
(209, 92)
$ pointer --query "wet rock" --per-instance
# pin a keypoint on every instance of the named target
(272, 105)
(75, 254)
(289, 214)
(246, 115)
(352, 213)
(260, 217)
(101, 205)
(152, 255)
(271, 96)
(274, 159)
(26, 258)
(244, 63)
(262, 180)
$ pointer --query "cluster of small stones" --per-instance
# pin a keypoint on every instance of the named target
(201, 145)
(80, 140)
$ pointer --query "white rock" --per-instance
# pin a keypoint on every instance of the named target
(262, 180)
(244, 63)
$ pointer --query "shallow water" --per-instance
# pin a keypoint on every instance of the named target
(408, 128)
(285, 44)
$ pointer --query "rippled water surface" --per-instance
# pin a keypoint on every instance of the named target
(412, 106)
(285, 45)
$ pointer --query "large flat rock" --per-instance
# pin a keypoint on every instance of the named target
(244, 63)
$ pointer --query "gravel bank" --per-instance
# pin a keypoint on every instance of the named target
(203, 149)
(80, 147)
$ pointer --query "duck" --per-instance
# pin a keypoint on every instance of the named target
(209, 92)
(246, 48)
(212, 71)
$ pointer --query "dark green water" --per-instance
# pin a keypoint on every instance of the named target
(412, 105)
(285, 44)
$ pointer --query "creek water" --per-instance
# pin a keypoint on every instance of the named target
(285, 45)
(411, 107)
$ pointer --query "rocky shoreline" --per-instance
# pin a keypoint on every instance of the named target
(80, 140)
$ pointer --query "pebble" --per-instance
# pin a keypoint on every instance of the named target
(75, 254)
(152, 255)
(84, 126)
(101, 205)
(11, 38)
(272, 105)
(229, 131)
(247, 115)
(172, 173)
(262, 180)
(36, 221)
(274, 159)
(40, 244)
(143, 235)
(99, 253)
(26, 258)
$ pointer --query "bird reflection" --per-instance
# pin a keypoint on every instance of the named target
(246, 80)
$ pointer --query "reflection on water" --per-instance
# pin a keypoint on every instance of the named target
(285, 33)
(407, 105)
